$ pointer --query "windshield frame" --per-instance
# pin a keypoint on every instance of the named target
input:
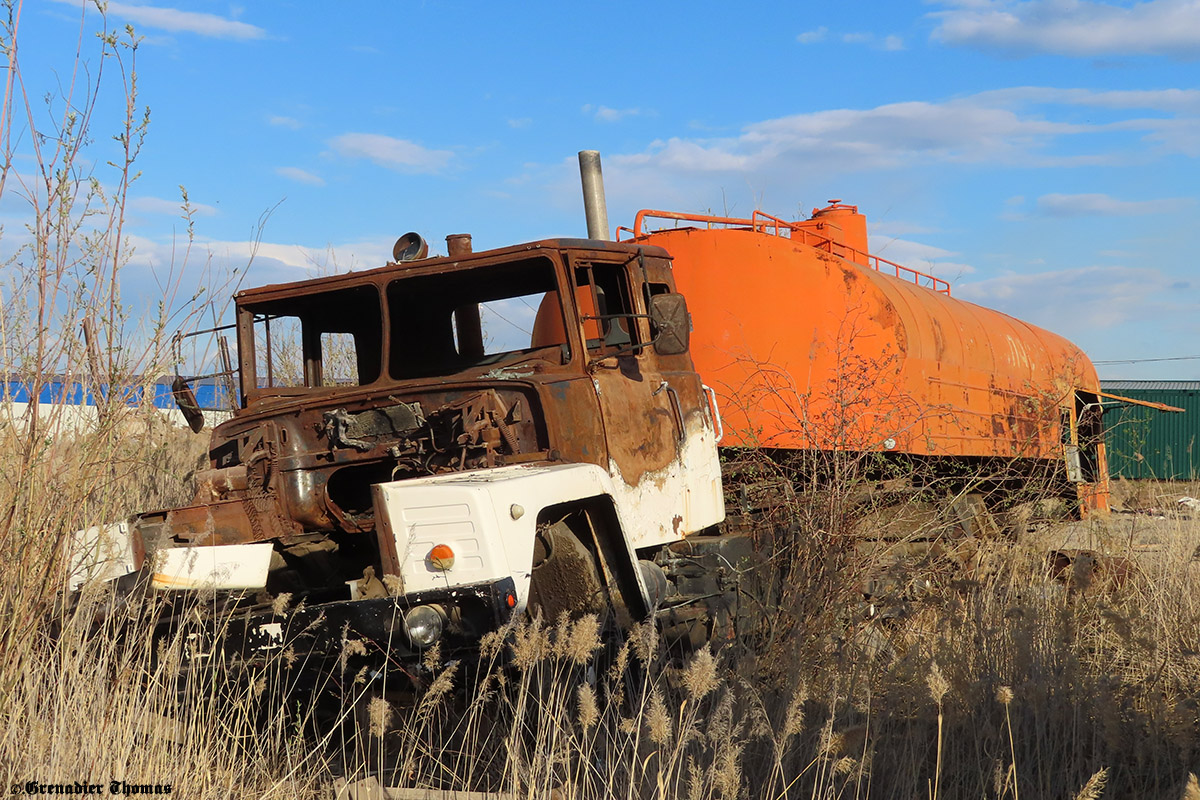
(444, 317)
(546, 358)
(302, 304)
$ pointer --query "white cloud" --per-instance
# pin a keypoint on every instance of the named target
(904, 251)
(268, 261)
(387, 151)
(300, 175)
(1074, 27)
(177, 21)
(331, 258)
(815, 35)
(1103, 205)
(890, 42)
(606, 114)
(1174, 135)
(921, 257)
(160, 205)
(286, 122)
(886, 136)
(765, 163)
(1099, 297)
(684, 155)
(1164, 100)
(519, 122)
(1022, 126)
(1013, 208)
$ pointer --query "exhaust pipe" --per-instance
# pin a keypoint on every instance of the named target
(593, 195)
(458, 244)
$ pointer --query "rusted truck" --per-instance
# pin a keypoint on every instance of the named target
(424, 449)
(421, 451)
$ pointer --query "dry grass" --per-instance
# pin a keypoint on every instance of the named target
(1017, 685)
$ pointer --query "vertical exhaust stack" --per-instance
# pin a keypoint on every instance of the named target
(594, 207)
(458, 244)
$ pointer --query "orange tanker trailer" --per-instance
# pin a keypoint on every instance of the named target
(813, 344)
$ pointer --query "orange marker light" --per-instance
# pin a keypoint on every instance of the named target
(442, 557)
(511, 600)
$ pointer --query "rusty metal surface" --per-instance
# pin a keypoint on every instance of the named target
(1147, 403)
(620, 251)
(410, 247)
(1082, 570)
(458, 245)
(309, 468)
(296, 464)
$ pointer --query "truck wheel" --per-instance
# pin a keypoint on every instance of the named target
(565, 576)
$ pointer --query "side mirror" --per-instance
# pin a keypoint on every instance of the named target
(185, 398)
(672, 324)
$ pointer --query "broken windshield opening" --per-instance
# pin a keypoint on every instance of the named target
(449, 322)
(332, 338)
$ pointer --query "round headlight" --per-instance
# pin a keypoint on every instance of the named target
(424, 624)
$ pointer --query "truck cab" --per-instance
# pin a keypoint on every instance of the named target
(424, 449)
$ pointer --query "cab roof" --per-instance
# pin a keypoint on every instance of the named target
(446, 263)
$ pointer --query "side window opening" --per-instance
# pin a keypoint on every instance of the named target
(323, 339)
(278, 351)
(606, 307)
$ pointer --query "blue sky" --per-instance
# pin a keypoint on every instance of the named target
(1041, 155)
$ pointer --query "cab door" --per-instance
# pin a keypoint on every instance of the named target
(642, 413)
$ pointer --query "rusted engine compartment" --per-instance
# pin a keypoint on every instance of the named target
(302, 478)
(320, 462)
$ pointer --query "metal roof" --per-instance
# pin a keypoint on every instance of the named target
(1169, 386)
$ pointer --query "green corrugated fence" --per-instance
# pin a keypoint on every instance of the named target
(1145, 443)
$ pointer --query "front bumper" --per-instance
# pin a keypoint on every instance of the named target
(351, 633)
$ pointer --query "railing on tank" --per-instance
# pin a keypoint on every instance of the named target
(761, 222)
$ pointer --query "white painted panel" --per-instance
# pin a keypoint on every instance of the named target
(431, 514)
(420, 516)
(229, 566)
(682, 498)
(99, 553)
(498, 546)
